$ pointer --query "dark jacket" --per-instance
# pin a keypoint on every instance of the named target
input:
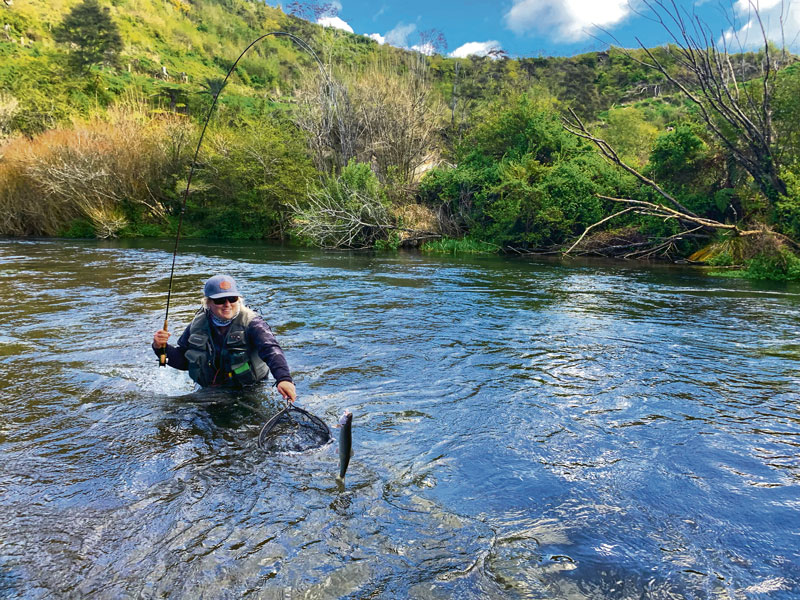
(258, 337)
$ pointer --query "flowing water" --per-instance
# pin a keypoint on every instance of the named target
(521, 429)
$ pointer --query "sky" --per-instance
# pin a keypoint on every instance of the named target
(524, 28)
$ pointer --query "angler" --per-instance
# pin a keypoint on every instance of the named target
(227, 344)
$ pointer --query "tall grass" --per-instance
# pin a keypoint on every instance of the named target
(108, 171)
(449, 245)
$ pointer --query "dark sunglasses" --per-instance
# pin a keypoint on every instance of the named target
(231, 299)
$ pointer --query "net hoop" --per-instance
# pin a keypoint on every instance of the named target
(305, 418)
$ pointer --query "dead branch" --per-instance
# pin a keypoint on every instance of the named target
(740, 116)
(665, 212)
(646, 246)
(577, 128)
(652, 209)
(600, 222)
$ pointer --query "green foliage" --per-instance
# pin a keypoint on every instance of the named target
(247, 179)
(138, 230)
(78, 228)
(778, 266)
(522, 179)
(448, 245)
(692, 170)
(391, 243)
(358, 177)
(90, 28)
(630, 133)
(787, 208)
(677, 154)
(786, 116)
(515, 127)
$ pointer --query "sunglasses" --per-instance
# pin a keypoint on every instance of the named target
(219, 301)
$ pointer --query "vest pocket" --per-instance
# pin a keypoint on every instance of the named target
(241, 368)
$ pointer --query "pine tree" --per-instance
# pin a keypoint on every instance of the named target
(96, 38)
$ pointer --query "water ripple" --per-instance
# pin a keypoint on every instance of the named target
(522, 430)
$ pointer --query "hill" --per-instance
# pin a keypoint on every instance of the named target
(395, 146)
(173, 48)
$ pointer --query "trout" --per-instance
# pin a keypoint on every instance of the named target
(345, 442)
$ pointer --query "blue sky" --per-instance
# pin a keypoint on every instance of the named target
(546, 27)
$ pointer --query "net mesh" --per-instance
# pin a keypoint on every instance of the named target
(293, 430)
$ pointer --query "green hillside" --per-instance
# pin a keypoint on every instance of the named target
(172, 47)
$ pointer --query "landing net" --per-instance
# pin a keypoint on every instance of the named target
(293, 430)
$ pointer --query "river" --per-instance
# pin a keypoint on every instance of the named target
(522, 429)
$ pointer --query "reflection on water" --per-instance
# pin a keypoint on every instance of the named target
(522, 430)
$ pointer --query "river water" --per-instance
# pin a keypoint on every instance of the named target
(522, 429)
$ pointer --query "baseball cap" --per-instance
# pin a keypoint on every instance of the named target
(220, 286)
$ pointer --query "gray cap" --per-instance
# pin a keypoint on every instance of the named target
(220, 286)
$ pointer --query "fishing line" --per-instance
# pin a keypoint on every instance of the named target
(162, 359)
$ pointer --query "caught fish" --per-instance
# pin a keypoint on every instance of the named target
(345, 442)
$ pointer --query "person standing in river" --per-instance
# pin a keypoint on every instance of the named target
(227, 344)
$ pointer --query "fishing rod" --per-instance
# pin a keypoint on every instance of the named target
(162, 358)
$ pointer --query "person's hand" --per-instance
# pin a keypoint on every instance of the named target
(286, 389)
(160, 338)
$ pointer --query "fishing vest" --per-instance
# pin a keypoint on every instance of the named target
(239, 363)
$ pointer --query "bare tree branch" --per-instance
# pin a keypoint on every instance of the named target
(600, 222)
(576, 127)
(720, 97)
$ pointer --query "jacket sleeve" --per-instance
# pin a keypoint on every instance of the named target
(259, 334)
(176, 354)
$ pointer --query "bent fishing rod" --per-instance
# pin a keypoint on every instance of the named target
(162, 358)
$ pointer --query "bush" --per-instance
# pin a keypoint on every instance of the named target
(108, 172)
(248, 179)
(521, 179)
(787, 208)
(774, 266)
(347, 211)
(448, 245)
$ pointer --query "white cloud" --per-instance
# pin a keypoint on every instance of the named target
(334, 22)
(399, 35)
(567, 20)
(377, 37)
(781, 21)
(475, 49)
(744, 6)
(427, 48)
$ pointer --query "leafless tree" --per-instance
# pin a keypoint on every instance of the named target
(389, 120)
(732, 97)
(329, 117)
(402, 121)
(733, 100)
(432, 40)
(312, 11)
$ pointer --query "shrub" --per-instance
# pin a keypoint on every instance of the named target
(347, 211)
(774, 266)
(109, 172)
(248, 179)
